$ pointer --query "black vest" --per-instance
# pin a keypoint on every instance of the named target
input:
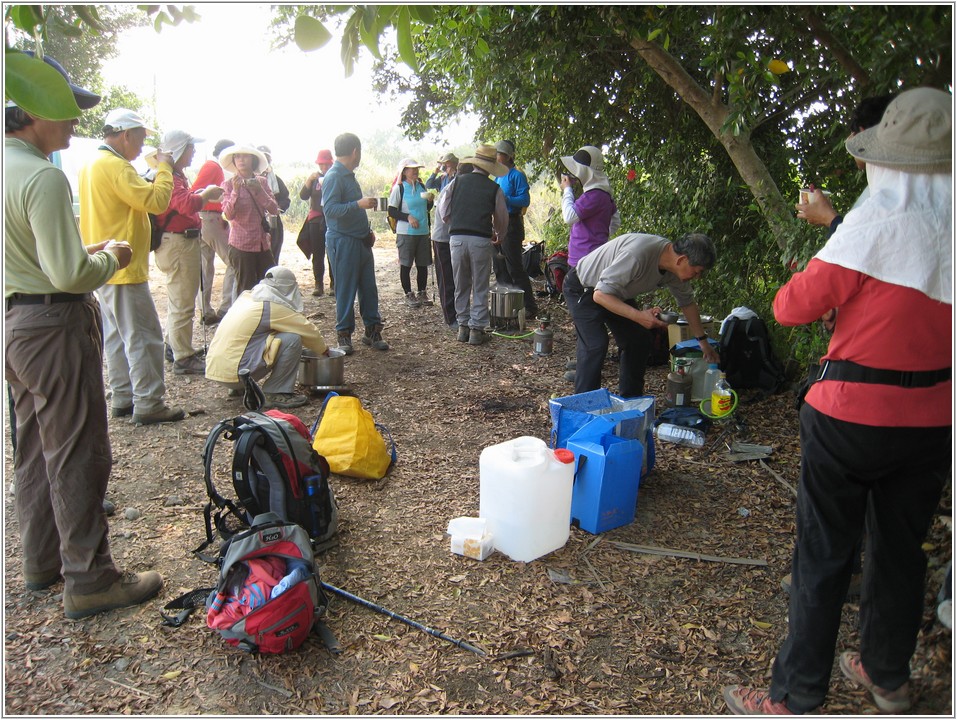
(472, 205)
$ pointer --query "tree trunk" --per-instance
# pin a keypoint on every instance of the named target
(752, 169)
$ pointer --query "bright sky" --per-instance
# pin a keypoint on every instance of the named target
(219, 78)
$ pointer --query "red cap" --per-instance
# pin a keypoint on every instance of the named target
(324, 156)
(564, 455)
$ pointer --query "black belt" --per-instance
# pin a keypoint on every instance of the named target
(190, 233)
(573, 276)
(24, 299)
(849, 371)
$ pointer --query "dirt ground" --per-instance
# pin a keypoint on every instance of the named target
(593, 628)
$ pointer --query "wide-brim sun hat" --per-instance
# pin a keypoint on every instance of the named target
(448, 157)
(175, 143)
(408, 163)
(485, 158)
(585, 163)
(913, 136)
(226, 157)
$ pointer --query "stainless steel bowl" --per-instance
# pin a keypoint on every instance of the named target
(668, 317)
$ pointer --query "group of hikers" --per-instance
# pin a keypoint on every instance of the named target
(875, 426)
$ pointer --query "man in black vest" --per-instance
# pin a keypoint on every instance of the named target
(474, 208)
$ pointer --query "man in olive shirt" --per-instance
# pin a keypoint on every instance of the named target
(53, 363)
(600, 294)
(116, 202)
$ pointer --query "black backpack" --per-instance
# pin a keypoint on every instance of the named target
(747, 359)
(275, 469)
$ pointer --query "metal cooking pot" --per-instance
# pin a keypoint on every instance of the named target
(506, 303)
(321, 371)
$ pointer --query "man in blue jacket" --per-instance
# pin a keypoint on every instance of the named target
(509, 269)
(349, 241)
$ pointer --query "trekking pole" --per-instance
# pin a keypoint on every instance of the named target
(202, 295)
(395, 616)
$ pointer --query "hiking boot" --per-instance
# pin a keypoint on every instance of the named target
(109, 507)
(42, 581)
(569, 376)
(130, 589)
(477, 336)
(235, 392)
(463, 335)
(318, 292)
(412, 300)
(164, 414)
(285, 401)
(424, 298)
(853, 590)
(344, 341)
(168, 352)
(889, 701)
(119, 412)
(747, 701)
(191, 365)
(571, 364)
(373, 338)
(211, 318)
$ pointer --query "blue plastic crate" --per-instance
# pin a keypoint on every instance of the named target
(573, 412)
(607, 478)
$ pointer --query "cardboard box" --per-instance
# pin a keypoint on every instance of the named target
(605, 492)
(681, 331)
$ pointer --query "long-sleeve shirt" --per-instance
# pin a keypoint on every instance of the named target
(593, 217)
(42, 249)
(115, 204)
(406, 201)
(211, 173)
(311, 192)
(184, 206)
(515, 188)
(246, 337)
(879, 325)
(244, 208)
(340, 196)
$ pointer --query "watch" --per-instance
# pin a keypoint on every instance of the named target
(702, 337)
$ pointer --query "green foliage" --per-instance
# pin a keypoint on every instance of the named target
(38, 88)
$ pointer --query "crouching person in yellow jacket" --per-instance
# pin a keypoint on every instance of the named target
(264, 332)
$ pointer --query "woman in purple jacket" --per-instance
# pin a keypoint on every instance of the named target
(593, 217)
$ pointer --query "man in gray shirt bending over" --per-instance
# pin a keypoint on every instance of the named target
(600, 293)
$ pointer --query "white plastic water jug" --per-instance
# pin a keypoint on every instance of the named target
(525, 494)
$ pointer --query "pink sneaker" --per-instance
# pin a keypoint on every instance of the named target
(747, 701)
(889, 701)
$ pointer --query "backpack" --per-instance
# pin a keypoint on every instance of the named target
(393, 222)
(532, 259)
(269, 596)
(556, 268)
(747, 359)
(274, 469)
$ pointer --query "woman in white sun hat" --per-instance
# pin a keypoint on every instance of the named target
(247, 202)
(876, 427)
(593, 217)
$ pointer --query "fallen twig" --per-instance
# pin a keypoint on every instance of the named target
(647, 549)
(130, 688)
(780, 479)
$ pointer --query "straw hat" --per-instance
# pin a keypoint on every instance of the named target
(484, 158)
(227, 155)
(914, 135)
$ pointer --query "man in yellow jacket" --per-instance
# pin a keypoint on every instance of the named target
(115, 202)
(265, 332)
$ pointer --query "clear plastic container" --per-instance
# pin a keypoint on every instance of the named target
(526, 496)
(690, 437)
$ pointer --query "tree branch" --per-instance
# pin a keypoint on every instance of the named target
(829, 41)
